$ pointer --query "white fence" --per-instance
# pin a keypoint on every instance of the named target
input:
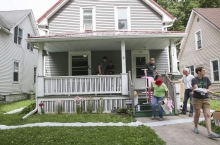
(70, 85)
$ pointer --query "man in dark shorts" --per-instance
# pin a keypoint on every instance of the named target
(110, 68)
(201, 101)
(102, 67)
(151, 67)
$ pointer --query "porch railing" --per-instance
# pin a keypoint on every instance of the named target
(69, 85)
(172, 91)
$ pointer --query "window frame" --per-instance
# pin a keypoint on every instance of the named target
(93, 18)
(212, 71)
(196, 40)
(128, 18)
(189, 67)
(15, 61)
(17, 36)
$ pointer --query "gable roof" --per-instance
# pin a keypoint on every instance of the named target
(9, 19)
(60, 3)
(211, 15)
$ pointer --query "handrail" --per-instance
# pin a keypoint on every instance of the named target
(172, 89)
(83, 76)
(131, 92)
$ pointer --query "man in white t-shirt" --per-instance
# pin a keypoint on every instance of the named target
(187, 80)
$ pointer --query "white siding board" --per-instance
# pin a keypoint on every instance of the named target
(10, 51)
(142, 16)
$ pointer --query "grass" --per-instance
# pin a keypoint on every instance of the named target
(81, 136)
(215, 105)
(215, 129)
(15, 105)
(15, 119)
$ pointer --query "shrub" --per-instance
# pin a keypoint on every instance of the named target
(29, 108)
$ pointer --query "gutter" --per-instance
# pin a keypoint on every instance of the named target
(5, 30)
(92, 37)
(167, 26)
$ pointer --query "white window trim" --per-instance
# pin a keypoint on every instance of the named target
(30, 44)
(70, 54)
(93, 18)
(190, 69)
(196, 40)
(128, 17)
(211, 68)
(16, 82)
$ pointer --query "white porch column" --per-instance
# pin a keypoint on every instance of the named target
(174, 68)
(124, 77)
(40, 74)
(175, 71)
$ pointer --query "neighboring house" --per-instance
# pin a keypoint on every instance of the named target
(79, 33)
(18, 59)
(202, 45)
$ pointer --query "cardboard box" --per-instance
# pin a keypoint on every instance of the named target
(216, 117)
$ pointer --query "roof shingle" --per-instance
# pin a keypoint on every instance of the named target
(210, 14)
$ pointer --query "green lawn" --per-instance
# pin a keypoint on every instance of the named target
(15, 105)
(215, 129)
(81, 136)
(15, 119)
(215, 105)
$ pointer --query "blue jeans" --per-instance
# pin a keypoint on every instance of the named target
(187, 96)
(155, 101)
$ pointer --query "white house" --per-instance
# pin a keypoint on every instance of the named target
(18, 59)
(79, 33)
(201, 46)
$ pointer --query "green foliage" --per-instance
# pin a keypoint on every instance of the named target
(182, 10)
(105, 135)
(29, 108)
(15, 119)
(122, 110)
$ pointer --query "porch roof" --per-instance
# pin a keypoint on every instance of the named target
(107, 40)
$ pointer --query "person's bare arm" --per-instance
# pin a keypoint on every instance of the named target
(99, 69)
(208, 90)
(193, 88)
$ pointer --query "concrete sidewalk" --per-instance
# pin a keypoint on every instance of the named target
(182, 134)
(177, 133)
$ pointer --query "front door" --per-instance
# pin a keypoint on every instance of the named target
(138, 63)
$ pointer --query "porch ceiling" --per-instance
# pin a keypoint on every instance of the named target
(97, 41)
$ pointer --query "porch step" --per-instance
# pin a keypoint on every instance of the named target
(148, 113)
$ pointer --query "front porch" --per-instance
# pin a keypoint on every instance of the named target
(57, 78)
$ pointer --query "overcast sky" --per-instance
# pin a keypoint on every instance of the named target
(39, 7)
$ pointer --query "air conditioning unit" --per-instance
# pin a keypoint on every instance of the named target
(87, 27)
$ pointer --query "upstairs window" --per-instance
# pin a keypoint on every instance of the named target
(215, 70)
(87, 19)
(198, 40)
(16, 72)
(122, 18)
(191, 70)
(28, 44)
(18, 35)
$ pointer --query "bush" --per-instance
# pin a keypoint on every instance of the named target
(122, 110)
(29, 108)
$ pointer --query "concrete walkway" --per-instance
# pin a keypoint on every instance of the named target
(178, 130)
(15, 111)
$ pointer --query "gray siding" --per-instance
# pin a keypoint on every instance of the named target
(9, 51)
(56, 64)
(210, 48)
(161, 58)
(67, 19)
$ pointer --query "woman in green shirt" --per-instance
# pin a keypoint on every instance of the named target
(160, 90)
